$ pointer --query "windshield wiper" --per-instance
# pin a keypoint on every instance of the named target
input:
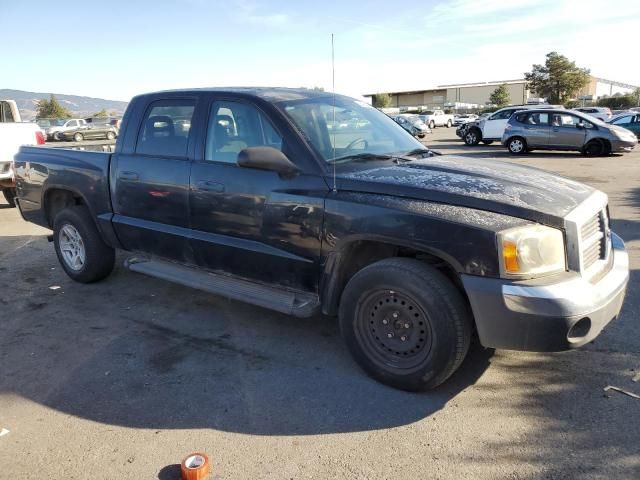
(417, 151)
(362, 156)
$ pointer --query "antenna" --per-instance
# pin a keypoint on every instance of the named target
(333, 129)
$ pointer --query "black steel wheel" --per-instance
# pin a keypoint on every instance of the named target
(594, 148)
(393, 329)
(405, 323)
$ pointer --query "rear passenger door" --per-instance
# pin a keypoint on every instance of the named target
(150, 185)
(537, 128)
(251, 223)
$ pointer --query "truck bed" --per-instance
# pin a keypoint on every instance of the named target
(39, 170)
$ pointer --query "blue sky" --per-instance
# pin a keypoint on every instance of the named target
(116, 49)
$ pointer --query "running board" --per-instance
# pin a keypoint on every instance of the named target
(278, 299)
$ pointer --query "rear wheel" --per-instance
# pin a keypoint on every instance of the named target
(10, 196)
(594, 148)
(111, 135)
(405, 323)
(472, 137)
(449, 123)
(78, 137)
(432, 124)
(79, 246)
(517, 145)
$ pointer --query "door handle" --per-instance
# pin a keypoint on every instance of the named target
(210, 186)
(128, 176)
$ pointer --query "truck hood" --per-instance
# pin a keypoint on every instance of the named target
(490, 185)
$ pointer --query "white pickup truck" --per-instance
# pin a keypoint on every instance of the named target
(13, 134)
(437, 118)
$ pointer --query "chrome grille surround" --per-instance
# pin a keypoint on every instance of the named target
(589, 236)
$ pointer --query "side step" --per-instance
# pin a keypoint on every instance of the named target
(281, 300)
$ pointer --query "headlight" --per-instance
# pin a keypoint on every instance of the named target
(531, 251)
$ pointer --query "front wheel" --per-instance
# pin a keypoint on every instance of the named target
(405, 323)
(78, 137)
(432, 124)
(449, 123)
(57, 136)
(594, 148)
(80, 248)
(472, 137)
(10, 196)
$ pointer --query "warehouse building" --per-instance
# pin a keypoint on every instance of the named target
(468, 96)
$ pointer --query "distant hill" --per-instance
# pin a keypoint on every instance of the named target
(79, 106)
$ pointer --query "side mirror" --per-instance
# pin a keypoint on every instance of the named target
(580, 126)
(266, 158)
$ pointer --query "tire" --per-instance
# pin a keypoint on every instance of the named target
(111, 135)
(78, 137)
(517, 145)
(57, 137)
(427, 318)
(449, 123)
(99, 258)
(10, 196)
(594, 148)
(432, 124)
(472, 137)
(487, 142)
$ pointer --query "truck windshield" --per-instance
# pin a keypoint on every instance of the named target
(354, 129)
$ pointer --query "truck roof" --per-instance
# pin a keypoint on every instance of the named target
(271, 94)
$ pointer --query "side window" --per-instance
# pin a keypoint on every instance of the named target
(234, 126)
(624, 120)
(538, 118)
(565, 120)
(504, 115)
(165, 128)
(6, 115)
(72, 124)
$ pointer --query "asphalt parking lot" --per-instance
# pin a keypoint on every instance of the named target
(122, 378)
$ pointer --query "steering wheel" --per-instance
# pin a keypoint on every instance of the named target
(355, 142)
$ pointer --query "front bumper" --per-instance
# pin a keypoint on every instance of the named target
(621, 146)
(551, 317)
(7, 178)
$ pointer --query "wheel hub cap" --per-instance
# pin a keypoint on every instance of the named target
(396, 331)
(72, 247)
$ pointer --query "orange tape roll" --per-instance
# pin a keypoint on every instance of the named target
(195, 466)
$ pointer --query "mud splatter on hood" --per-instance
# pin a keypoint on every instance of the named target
(491, 185)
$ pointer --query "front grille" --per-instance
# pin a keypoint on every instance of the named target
(593, 239)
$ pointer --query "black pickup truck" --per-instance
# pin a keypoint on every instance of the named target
(261, 195)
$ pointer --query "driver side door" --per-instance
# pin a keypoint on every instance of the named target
(494, 126)
(250, 223)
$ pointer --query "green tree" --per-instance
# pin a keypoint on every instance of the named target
(500, 96)
(101, 114)
(636, 97)
(558, 80)
(617, 101)
(381, 100)
(51, 109)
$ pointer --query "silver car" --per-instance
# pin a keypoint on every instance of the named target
(564, 130)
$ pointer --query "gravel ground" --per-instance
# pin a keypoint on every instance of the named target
(121, 379)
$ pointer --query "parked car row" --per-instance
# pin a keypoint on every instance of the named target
(412, 124)
(522, 128)
(78, 129)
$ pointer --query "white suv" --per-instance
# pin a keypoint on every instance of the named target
(491, 128)
(601, 113)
